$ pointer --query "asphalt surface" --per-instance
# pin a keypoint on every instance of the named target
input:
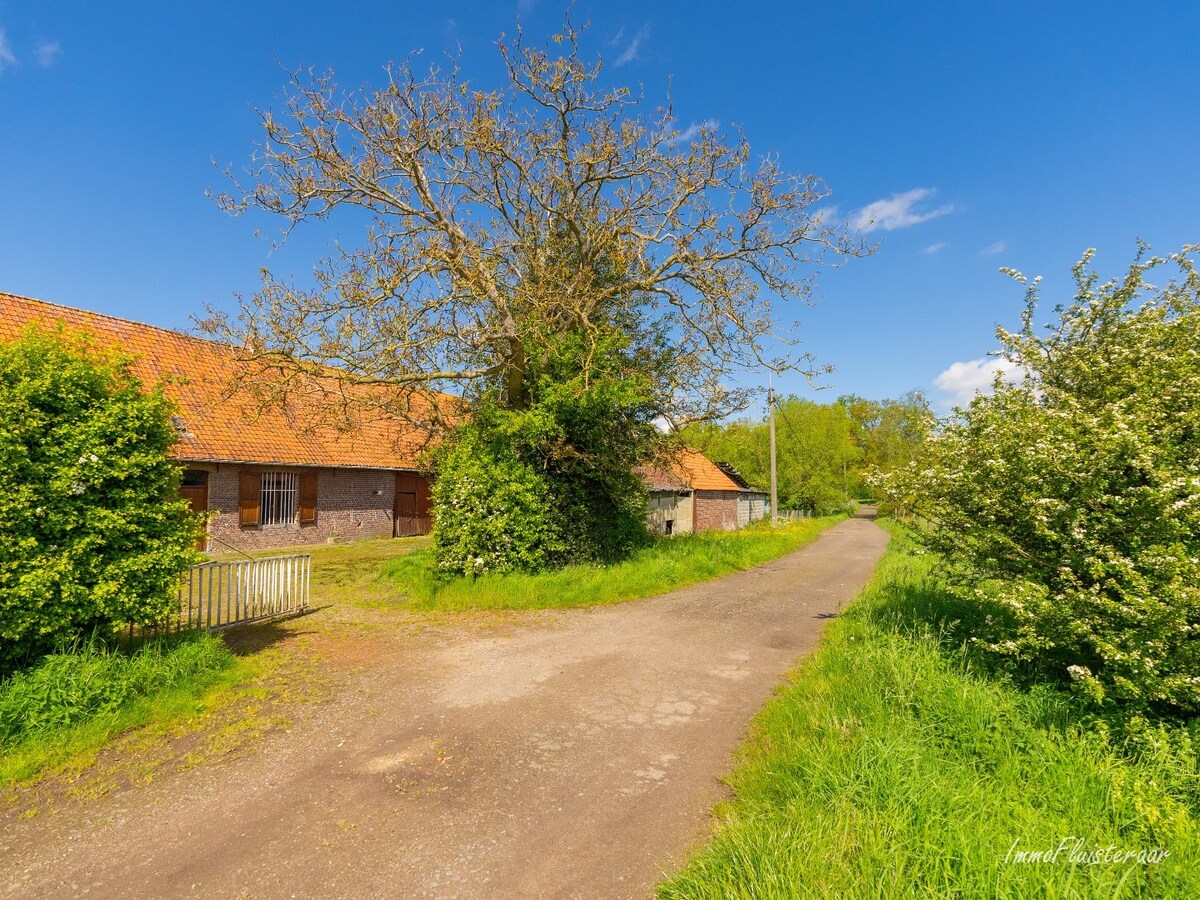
(579, 754)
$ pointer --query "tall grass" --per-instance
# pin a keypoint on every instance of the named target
(74, 700)
(893, 766)
(667, 564)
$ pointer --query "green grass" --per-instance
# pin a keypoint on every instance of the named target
(73, 702)
(891, 766)
(665, 565)
(350, 573)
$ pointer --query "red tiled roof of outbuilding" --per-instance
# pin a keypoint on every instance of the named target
(701, 473)
(197, 374)
(687, 469)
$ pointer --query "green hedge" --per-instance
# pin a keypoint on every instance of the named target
(93, 532)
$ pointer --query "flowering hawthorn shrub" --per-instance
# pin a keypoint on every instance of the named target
(93, 533)
(1068, 504)
(492, 512)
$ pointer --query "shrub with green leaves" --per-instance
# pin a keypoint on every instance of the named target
(66, 689)
(492, 511)
(1068, 504)
(93, 533)
(550, 480)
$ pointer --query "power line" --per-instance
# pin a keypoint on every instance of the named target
(788, 423)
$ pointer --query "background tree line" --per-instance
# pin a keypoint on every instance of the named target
(824, 450)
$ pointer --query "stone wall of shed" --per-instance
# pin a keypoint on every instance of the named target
(752, 506)
(670, 506)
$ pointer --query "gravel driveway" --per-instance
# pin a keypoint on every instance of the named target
(578, 754)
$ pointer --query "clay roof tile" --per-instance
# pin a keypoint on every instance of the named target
(197, 373)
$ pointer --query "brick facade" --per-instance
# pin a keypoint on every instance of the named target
(715, 510)
(349, 484)
(352, 504)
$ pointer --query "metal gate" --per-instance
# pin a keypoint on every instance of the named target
(235, 592)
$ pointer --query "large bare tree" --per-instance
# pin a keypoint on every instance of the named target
(501, 218)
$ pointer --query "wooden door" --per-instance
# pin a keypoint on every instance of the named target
(412, 506)
(194, 489)
(406, 514)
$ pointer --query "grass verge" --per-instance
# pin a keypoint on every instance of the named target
(665, 565)
(72, 703)
(892, 766)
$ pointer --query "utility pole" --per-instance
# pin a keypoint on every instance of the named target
(774, 485)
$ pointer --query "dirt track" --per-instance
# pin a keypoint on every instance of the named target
(577, 755)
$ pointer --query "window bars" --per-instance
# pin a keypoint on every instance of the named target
(279, 494)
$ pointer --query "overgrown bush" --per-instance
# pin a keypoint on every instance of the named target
(71, 687)
(550, 481)
(492, 511)
(92, 529)
(1068, 505)
(495, 512)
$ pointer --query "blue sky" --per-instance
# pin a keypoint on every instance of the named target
(988, 134)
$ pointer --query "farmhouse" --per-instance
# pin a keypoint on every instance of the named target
(692, 493)
(265, 476)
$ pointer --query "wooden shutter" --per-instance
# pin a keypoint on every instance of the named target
(250, 499)
(308, 498)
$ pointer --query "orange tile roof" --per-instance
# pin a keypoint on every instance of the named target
(701, 473)
(687, 469)
(197, 375)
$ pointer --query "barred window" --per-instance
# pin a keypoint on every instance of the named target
(279, 496)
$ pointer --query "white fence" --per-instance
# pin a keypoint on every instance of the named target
(794, 515)
(234, 592)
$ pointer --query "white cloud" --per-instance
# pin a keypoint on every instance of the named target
(7, 58)
(630, 53)
(692, 132)
(897, 211)
(526, 6)
(826, 215)
(47, 53)
(994, 249)
(935, 248)
(963, 380)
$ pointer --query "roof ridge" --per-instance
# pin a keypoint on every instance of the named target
(89, 312)
(732, 471)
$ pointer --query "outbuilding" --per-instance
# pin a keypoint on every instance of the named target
(751, 502)
(263, 476)
(689, 492)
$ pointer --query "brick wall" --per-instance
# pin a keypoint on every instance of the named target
(352, 504)
(715, 510)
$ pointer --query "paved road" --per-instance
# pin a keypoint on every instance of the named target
(577, 756)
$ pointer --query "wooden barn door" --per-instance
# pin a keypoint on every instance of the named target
(406, 513)
(412, 512)
(194, 489)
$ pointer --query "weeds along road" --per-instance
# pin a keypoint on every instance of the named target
(577, 753)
